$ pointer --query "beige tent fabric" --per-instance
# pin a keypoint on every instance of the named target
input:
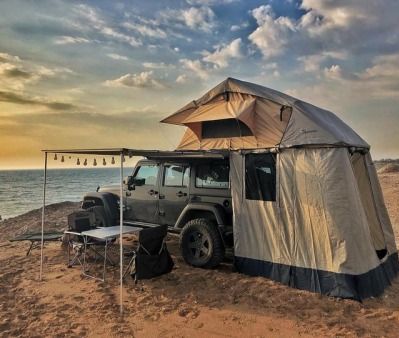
(190, 141)
(259, 108)
(318, 220)
(310, 125)
(367, 197)
(262, 118)
(380, 206)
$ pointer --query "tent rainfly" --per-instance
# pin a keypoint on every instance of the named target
(308, 210)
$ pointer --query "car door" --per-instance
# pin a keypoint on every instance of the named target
(174, 192)
(142, 196)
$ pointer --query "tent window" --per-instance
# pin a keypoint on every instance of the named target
(224, 128)
(260, 177)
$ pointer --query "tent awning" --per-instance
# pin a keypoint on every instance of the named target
(144, 153)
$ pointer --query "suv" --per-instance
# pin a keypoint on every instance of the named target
(191, 196)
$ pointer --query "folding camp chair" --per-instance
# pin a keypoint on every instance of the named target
(151, 258)
(78, 222)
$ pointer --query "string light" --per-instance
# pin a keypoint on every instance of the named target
(78, 162)
(62, 158)
(95, 162)
(113, 160)
(55, 157)
(85, 162)
(104, 163)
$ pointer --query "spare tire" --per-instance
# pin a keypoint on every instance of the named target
(201, 244)
(100, 216)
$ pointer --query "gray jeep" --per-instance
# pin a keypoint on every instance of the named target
(191, 196)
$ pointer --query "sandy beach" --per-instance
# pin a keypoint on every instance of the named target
(187, 302)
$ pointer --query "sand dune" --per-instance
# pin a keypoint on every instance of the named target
(187, 302)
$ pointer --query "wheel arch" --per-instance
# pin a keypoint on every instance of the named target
(210, 211)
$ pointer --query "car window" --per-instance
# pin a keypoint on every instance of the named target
(212, 175)
(147, 173)
(176, 176)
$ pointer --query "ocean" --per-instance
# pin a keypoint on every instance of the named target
(22, 190)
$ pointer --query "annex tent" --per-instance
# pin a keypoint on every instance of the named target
(308, 209)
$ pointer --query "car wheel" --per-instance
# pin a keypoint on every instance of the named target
(201, 244)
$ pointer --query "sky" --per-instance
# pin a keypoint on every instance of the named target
(90, 74)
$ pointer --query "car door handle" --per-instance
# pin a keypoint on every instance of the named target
(152, 192)
(161, 196)
(181, 194)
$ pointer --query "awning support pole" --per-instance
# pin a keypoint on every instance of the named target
(120, 236)
(43, 214)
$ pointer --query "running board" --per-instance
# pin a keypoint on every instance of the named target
(150, 225)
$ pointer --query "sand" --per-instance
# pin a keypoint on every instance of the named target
(187, 302)
(389, 168)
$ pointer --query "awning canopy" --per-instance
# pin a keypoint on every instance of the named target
(144, 153)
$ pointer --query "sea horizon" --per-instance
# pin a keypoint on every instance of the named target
(21, 190)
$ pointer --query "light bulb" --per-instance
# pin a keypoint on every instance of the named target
(95, 162)
(55, 157)
(104, 163)
(85, 162)
(62, 158)
(113, 160)
(78, 162)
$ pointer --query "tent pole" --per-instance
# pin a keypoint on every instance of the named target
(44, 205)
(120, 236)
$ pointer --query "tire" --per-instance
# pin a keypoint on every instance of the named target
(201, 244)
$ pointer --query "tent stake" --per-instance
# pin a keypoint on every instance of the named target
(43, 214)
(120, 236)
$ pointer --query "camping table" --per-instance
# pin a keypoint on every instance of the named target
(36, 238)
(106, 234)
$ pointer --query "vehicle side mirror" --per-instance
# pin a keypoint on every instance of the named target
(128, 182)
(137, 182)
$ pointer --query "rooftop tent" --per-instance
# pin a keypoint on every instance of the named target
(308, 210)
(250, 116)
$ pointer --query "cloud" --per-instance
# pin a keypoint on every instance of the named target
(5, 57)
(196, 67)
(201, 18)
(16, 73)
(146, 30)
(235, 28)
(209, 2)
(312, 63)
(141, 80)
(157, 65)
(98, 24)
(334, 72)
(272, 33)
(221, 56)
(117, 57)
(23, 99)
(270, 69)
(11, 71)
(64, 40)
(358, 27)
(181, 79)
